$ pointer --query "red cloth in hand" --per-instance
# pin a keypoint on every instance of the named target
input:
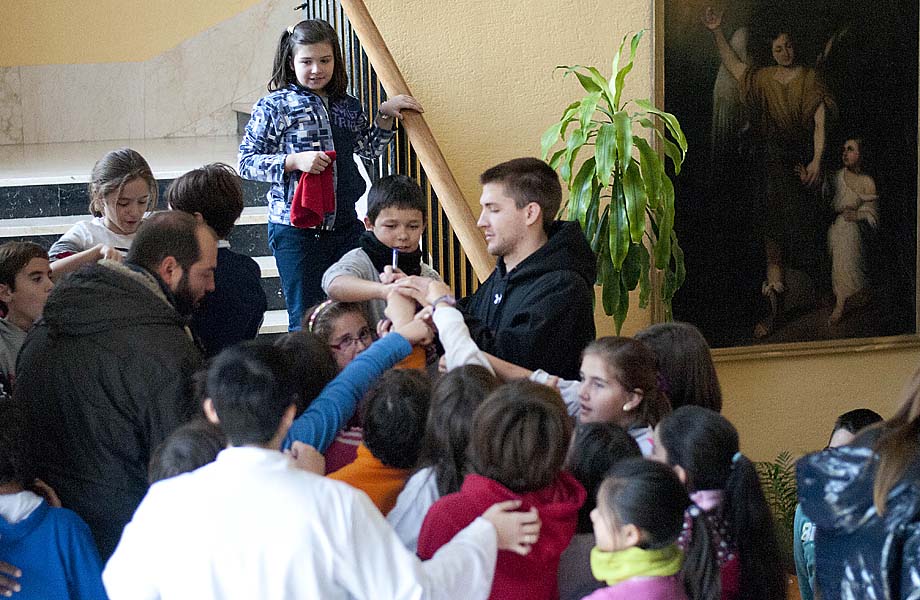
(314, 197)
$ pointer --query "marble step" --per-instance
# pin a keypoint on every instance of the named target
(72, 162)
(275, 321)
(62, 199)
(58, 225)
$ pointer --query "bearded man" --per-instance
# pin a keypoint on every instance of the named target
(104, 376)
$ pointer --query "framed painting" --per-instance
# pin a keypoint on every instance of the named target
(797, 204)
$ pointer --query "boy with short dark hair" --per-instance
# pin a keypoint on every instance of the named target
(233, 312)
(394, 423)
(251, 524)
(395, 222)
(520, 435)
(25, 283)
(51, 546)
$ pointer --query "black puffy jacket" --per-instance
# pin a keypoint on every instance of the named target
(104, 378)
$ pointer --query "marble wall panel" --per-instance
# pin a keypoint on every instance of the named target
(190, 87)
(10, 106)
(186, 91)
(71, 103)
(219, 122)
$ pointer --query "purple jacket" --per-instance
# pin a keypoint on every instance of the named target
(647, 588)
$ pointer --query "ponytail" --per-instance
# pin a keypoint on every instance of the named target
(701, 576)
(752, 530)
(705, 445)
(282, 65)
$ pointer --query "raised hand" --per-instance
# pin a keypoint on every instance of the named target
(711, 19)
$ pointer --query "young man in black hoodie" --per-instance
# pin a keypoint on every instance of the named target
(536, 309)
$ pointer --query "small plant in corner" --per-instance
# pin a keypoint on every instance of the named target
(621, 194)
(778, 481)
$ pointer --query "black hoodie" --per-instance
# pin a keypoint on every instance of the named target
(104, 378)
(540, 315)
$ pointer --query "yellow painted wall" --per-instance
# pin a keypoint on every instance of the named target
(483, 69)
(38, 32)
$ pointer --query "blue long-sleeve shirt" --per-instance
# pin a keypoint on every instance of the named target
(326, 415)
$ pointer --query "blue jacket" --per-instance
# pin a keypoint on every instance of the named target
(294, 120)
(55, 551)
(859, 554)
(326, 415)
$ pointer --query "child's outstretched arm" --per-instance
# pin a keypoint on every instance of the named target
(74, 261)
(326, 415)
(353, 278)
(372, 555)
(372, 141)
(350, 288)
(517, 531)
(459, 347)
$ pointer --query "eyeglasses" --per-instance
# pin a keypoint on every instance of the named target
(365, 336)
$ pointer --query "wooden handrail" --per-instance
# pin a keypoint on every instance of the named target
(426, 148)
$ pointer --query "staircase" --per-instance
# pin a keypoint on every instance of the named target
(43, 192)
(43, 186)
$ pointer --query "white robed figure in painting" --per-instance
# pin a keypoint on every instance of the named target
(855, 201)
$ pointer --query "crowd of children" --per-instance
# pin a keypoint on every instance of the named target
(340, 462)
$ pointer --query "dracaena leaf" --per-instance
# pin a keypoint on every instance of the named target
(605, 152)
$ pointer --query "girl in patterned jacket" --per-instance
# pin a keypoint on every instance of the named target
(304, 123)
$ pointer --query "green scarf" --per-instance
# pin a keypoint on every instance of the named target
(614, 567)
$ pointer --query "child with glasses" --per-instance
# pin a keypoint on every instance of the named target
(343, 326)
(325, 415)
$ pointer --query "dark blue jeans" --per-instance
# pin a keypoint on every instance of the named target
(302, 256)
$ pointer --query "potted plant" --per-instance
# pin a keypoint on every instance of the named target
(621, 194)
(777, 478)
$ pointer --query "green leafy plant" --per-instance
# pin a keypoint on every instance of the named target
(623, 185)
(777, 478)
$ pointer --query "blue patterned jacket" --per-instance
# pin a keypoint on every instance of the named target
(294, 119)
(859, 554)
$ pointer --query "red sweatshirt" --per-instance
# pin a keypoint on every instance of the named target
(532, 576)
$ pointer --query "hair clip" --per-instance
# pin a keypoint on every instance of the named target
(290, 29)
(736, 457)
(323, 305)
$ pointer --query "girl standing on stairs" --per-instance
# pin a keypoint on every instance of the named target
(296, 131)
(122, 190)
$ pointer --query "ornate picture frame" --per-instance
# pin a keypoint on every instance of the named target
(777, 222)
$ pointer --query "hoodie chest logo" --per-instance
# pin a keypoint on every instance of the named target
(497, 300)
